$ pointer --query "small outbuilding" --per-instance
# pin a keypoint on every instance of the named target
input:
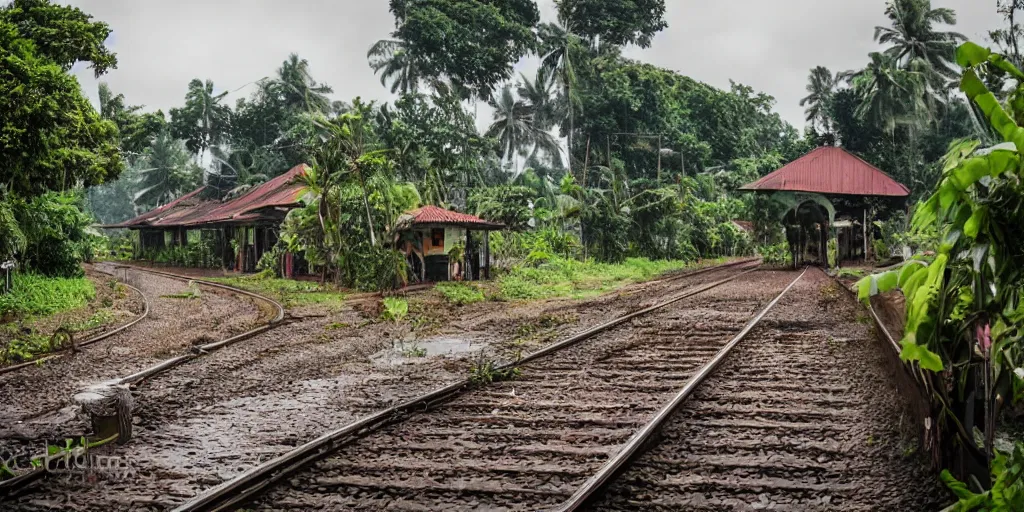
(830, 193)
(439, 244)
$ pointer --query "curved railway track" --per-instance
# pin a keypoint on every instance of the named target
(20, 484)
(90, 341)
(524, 444)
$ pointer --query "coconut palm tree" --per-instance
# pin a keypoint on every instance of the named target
(821, 85)
(559, 46)
(164, 172)
(391, 59)
(514, 126)
(545, 107)
(203, 121)
(298, 89)
(891, 96)
(913, 38)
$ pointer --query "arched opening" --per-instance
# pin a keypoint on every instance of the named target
(807, 231)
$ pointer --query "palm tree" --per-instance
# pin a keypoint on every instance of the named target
(297, 87)
(545, 109)
(164, 172)
(392, 60)
(891, 96)
(914, 39)
(514, 126)
(821, 85)
(558, 47)
(203, 122)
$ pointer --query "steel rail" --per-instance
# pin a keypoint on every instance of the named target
(255, 480)
(596, 483)
(200, 350)
(90, 341)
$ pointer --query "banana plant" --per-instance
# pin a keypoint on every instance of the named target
(963, 303)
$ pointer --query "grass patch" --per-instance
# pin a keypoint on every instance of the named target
(288, 292)
(99, 318)
(460, 294)
(33, 294)
(581, 279)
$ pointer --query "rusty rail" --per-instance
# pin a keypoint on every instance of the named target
(250, 483)
(604, 476)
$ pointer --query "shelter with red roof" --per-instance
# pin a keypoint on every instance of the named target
(251, 220)
(830, 190)
(440, 246)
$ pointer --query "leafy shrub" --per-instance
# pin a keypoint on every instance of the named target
(460, 294)
(776, 254)
(560, 277)
(57, 234)
(395, 309)
(33, 294)
(1007, 492)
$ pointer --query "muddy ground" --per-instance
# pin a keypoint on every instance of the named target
(210, 419)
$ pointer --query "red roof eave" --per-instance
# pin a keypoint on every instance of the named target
(833, 171)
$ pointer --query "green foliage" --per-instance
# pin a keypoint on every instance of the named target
(34, 294)
(1007, 492)
(289, 292)
(395, 309)
(460, 294)
(58, 236)
(474, 44)
(833, 253)
(51, 138)
(507, 204)
(486, 371)
(196, 254)
(617, 22)
(964, 305)
(559, 277)
(777, 255)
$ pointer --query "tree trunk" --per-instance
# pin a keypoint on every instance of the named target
(366, 204)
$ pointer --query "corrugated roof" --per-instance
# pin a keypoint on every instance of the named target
(190, 210)
(431, 214)
(282, 191)
(831, 170)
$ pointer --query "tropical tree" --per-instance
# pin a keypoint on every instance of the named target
(297, 88)
(890, 96)
(821, 86)
(515, 129)
(913, 38)
(391, 59)
(203, 122)
(616, 22)
(51, 137)
(164, 172)
(546, 107)
(471, 43)
(559, 51)
(136, 129)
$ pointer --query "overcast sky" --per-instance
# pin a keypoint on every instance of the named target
(767, 44)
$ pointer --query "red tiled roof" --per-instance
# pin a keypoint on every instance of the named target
(831, 170)
(431, 214)
(190, 210)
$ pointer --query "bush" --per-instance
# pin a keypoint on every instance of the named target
(460, 294)
(57, 234)
(33, 294)
(560, 277)
(776, 255)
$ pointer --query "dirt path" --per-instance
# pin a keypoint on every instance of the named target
(801, 416)
(220, 414)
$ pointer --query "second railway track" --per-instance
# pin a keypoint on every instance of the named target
(524, 444)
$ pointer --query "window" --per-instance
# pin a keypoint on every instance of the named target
(437, 237)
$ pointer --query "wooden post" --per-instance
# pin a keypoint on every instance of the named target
(487, 255)
(467, 272)
(109, 407)
(659, 158)
(865, 233)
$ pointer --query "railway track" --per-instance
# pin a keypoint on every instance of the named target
(800, 417)
(528, 443)
(21, 484)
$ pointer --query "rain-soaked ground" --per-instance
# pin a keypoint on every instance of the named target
(210, 419)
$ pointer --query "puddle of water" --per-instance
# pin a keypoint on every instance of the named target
(406, 352)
